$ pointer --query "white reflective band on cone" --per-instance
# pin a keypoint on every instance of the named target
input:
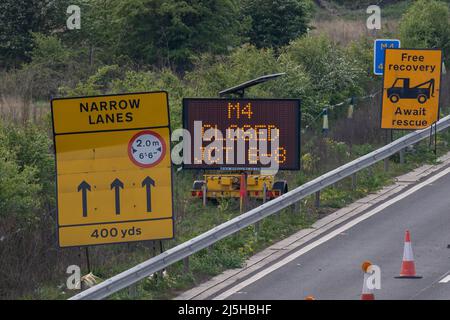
(407, 252)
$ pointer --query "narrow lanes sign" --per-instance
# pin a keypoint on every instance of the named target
(113, 168)
(411, 87)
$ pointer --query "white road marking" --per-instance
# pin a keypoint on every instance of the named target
(445, 279)
(327, 237)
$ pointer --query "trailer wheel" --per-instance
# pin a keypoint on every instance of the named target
(280, 186)
(394, 98)
(198, 184)
(422, 98)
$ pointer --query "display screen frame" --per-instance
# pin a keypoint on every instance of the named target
(294, 165)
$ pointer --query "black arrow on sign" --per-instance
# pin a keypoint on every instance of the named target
(83, 187)
(148, 182)
(116, 185)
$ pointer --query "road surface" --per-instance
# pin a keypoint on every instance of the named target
(331, 269)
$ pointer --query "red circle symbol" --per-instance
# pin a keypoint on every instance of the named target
(146, 149)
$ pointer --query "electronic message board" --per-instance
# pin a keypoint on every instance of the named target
(267, 128)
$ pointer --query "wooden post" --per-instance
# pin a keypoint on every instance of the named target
(88, 262)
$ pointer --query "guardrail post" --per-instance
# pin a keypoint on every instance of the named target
(354, 181)
(296, 207)
(317, 202)
(435, 137)
(386, 164)
(186, 264)
(402, 156)
(258, 224)
(278, 215)
(132, 291)
(204, 190)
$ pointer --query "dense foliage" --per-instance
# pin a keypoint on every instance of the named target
(26, 174)
(275, 23)
(427, 25)
(163, 33)
(18, 18)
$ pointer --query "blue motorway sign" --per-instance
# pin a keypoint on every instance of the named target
(378, 53)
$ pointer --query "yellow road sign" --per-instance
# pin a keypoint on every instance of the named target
(411, 86)
(110, 112)
(114, 180)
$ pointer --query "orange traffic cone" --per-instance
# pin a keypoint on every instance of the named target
(367, 294)
(408, 269)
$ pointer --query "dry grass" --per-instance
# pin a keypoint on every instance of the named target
(19, 110)
(16, 103)
(343, 31)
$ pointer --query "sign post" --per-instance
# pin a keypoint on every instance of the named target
(411, 87)
(113, 168)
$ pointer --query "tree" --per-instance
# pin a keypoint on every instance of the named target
(274, 23)
(18, 19)
(168, 32)
(101, 25)
(52, 65)
(426, 25)
(335, 74)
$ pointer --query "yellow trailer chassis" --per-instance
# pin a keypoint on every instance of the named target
(229, 186)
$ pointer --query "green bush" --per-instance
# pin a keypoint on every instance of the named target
(31, 147)
(19, 185)
(213, 74)
(96, 84)
(426, 24)
(335, 76)
(53, 65)
(166, 80)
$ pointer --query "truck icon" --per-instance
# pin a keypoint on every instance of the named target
(402, 90)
